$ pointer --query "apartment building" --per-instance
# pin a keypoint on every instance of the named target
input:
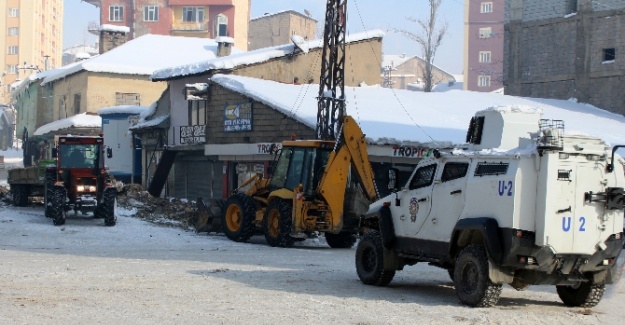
(483, 44)
(566, 49)
(190, 18)
(31, 39)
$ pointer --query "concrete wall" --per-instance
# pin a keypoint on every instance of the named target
(563, 58)
(277, 29)
(104, 86)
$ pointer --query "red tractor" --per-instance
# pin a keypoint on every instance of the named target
(79, 181)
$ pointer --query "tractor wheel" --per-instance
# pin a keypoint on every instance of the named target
(473, 286)
(584, 294)
(109, 205)
(370, 260)
(57, 205)
(239, 217)
(20, 195)
(277, 223)
(47, 192)
(341, 240)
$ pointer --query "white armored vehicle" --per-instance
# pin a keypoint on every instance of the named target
(522, 203)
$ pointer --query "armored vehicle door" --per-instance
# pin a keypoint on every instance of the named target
(415, 202)
(448, 201)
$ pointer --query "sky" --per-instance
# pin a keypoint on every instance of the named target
(362, 15)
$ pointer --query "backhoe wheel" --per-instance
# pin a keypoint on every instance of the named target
(341, 240)
(370, 260)
(277, 223)
(57, 205)
(584, 294)
(108, 207)
(473, 286)
(48, 186)
(239, 217)
(20, 195)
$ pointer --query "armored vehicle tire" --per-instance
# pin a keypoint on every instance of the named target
(57, 205)
(471, 280)
(109, 204)
(277, 223)
(239, 217)
(370, 261)
(584, 294)
(20, 195)
(341, 240)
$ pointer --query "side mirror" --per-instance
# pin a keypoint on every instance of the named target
(109, 152)
(55, 152)
(392, 178)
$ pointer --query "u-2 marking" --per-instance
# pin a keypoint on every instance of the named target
(566, 224)
(505, 189)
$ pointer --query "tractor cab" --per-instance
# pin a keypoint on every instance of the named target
(301, 162)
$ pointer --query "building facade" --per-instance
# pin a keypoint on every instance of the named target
(191, 18)
(566, 49)
(483, 45)
(31, 39)
(277, 29)
(406, 72)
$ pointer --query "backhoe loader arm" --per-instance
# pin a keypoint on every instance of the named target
(352, 150)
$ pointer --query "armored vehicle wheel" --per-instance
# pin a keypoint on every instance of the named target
(20, 195)
(341, 240)
(277, 223)
(57, 205)
(109, 205)
(473, 286)
(370, 261)
(584, 294)
(239, 217)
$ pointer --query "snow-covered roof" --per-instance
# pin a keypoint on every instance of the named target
(446, 86)
(397, 60)
(115, 28)
(146, 54)
(246, 58)
(288, 11)
(224, 39)
(83, 120)
(23, 85)
(123, 109)
(421, 117)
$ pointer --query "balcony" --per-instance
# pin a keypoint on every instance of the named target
(190, 26)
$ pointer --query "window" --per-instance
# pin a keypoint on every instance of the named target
(423, 177)
(77, 104)
(150, 13)
(13, 50)
(483, 81)
(486, 7)
(489, 168)
(12, 69)
(62, 101)
(14, 12)
(221, 28)
(484, 56)
(116, 13)
(609, 54)
(14, 31)
(193, 14)
(454, 170)
(127, 99)
(476, 126)
(197, 112)
(486, 32)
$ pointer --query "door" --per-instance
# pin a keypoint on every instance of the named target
(448, 198)
(414, 202)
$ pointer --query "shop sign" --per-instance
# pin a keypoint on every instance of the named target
(238, 117)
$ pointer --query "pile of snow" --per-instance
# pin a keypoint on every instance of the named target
(447, 86)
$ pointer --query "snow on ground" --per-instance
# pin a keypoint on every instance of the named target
(141, 273)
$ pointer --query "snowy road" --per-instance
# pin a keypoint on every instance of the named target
(140, 273)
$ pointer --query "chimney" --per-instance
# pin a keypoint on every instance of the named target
(112, 36)
(224, 45)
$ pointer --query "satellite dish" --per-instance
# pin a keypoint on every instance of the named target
(307, 12)
(300, 43)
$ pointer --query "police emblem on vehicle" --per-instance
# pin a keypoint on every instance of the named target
(414, 208)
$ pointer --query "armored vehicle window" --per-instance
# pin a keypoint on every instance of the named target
(423, 177)
(489, 169)
(454, 170)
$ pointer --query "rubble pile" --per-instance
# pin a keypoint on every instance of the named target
(168, 211)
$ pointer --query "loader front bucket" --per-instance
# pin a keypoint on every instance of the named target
(210, 216)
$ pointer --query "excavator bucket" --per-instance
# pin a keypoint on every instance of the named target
(210, 216)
